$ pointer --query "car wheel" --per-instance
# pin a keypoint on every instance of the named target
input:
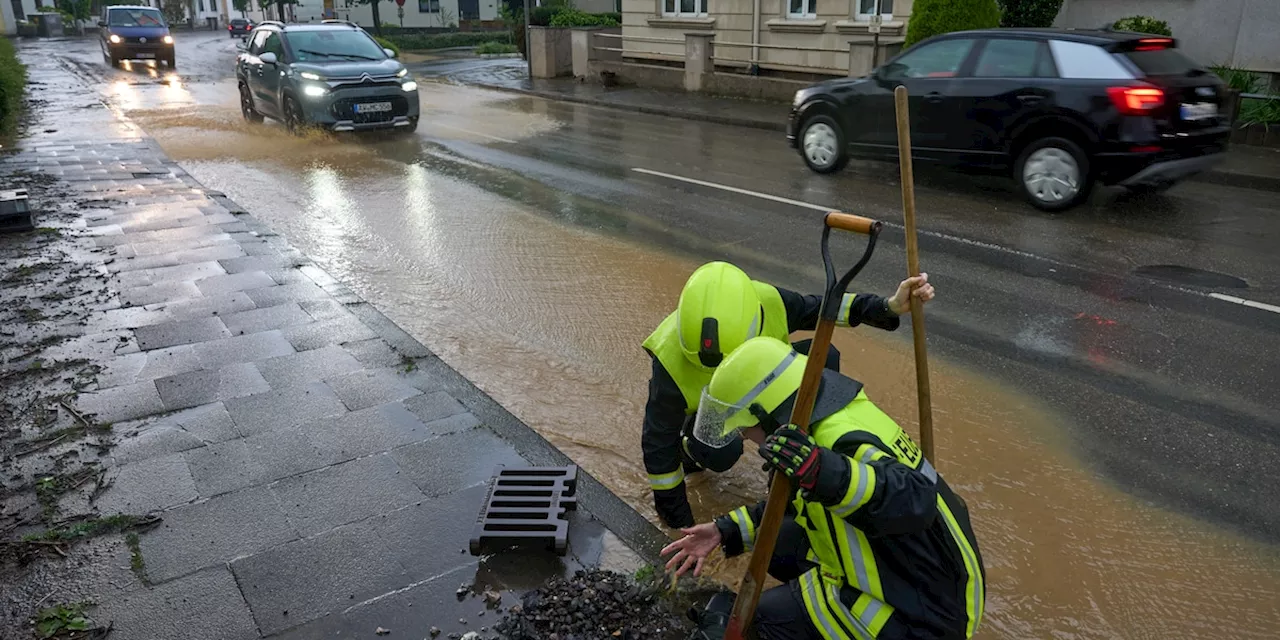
(413, 126)
(294, 120)
(822, 144)
(173, 65)
(1053, 174)
(246, 106)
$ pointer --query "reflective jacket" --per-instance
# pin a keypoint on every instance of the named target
(889, 538)
(676, 383)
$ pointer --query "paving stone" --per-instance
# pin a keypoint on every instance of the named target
(170, 334)
(404, 532)
(128, 318)
(434, 406)
(255, 320)
(373, 353)
(245, 348)
(210, 423)
(328, 332)
(219, 305)
(258, 459)
(162, 363)
(284, 408)
(161, 275)
(367, 431)
(151, 294)
(307, 366)
(121, 370)
(148, 485)
(343, 493)
(257, 263)
(271, 296)
(214, 532)
(122, 403)
(128, 259)
(151, 440)
(212, 236)
(455, 461)
(203, 387)
(284, 579)
(362, 389)
(234, 282)
(202, 606)
(326, 309)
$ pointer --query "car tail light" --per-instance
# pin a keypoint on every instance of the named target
(1136, 101)
(1146, 149)
(1153, 44)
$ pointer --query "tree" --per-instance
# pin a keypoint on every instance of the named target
(1029, 13)
(242, 6)
(1143, 24)
(80, 11)
(174, 11)
(932, 17)
(377, 19)
(279, 4)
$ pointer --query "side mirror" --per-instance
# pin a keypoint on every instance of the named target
(268, 58)
(390, 53)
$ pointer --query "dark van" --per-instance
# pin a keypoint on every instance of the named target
(135, 33)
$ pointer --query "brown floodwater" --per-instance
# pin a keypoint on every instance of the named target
(547, 317)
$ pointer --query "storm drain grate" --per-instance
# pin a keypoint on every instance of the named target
(527, 504)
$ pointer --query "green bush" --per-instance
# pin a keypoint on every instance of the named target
(1264, 112)
(542, 16)
(1029, 13)
(1239, 79)
(495, 48)
(13, 81)
(1143, 24)
(576, 18)
(933, 17)
(423, 42)
(386, 43)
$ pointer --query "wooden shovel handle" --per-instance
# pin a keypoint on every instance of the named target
(850, 222)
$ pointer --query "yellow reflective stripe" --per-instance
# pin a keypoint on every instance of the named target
(846, 303)
(842, 613)
(746, 527)
(861, 487)
(816, 607)
(867, 453)
(976, 591)
(665, 481)
(872, 613)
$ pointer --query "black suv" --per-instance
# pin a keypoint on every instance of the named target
(331, 75)
(1059, 108)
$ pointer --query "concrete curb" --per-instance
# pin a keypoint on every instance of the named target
(1244, 180)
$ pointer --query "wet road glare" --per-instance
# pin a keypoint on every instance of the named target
(536, 271)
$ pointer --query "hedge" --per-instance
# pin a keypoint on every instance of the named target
(444, 40)
(13, 81)
(576, 18)
(386, 43)
(1029, 13)
(933, 17)
(1143, 24)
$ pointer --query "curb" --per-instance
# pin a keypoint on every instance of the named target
(1244, 180)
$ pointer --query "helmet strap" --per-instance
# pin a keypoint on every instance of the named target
(767, 421)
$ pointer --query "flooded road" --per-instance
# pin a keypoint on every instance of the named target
(1116, 442)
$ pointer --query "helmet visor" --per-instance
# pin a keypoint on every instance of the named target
(714, 425)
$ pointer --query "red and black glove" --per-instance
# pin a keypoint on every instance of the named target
(821, 473)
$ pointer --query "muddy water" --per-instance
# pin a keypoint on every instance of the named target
(548, 318)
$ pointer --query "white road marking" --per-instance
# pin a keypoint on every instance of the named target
(1248, 303)
(474, 133)
(978, 243)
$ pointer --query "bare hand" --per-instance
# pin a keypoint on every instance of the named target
(692, 550)
(918, 287)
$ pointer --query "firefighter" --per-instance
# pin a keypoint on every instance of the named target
(874, 545)
(720, 308)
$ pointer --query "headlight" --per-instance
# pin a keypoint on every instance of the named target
(409, 86)
(795, 102)
(402, 73)
(307, 75)
(115, 39)
(314, 91)
(168, 39)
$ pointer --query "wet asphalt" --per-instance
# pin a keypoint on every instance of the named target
(1164, 389)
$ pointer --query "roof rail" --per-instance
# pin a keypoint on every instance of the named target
(336, 21)
(275, 22)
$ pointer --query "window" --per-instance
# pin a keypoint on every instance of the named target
(867, 8)
(1010, 59)
(258, 38)
(1162, 62)
(311, 46)
(134, 18)
(936, 60)
(684, 8)
(428, 6)
(1079, 60)
(274, 44)
(803, 9)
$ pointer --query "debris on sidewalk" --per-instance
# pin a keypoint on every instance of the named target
(594, 604)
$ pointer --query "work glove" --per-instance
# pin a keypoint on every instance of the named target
(821, 474)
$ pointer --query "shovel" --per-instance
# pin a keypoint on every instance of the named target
(744, 607)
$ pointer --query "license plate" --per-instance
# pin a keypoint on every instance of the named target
(373, 107)
(1199, 110)
(146, 55)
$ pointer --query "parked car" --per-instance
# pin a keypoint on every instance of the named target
(239, 27)
(331, 75)
(135, 33)
(1059, 109)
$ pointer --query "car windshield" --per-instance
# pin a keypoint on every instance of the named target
(313, 46)
(239, 22)
(136, 18)
(1162, 62)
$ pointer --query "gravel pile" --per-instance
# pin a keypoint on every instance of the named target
(593, 605)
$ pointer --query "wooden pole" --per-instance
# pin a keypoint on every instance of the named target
(913, 269)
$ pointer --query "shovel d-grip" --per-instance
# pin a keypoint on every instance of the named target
(744, 607)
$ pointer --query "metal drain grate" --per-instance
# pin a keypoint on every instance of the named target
(524, 504)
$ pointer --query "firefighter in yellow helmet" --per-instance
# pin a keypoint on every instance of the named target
(875, 545)
(720, 308)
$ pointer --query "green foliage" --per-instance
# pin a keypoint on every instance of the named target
(1265, 112)
(496, 48)
(1239, 79)
(576, 18)
(542, 16)
(240, 5)
(174, 11)
(933, 17)
(13, 81)
(386, 43)
(1143, 24)
(63, 617)
(89, 528)
(1029, 13)
(423, 42)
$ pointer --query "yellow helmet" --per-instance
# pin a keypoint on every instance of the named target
(718, 311)
(763, 371)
